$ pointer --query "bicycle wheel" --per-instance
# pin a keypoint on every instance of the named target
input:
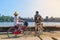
(10, 32)
(40, 31)
(27, 31)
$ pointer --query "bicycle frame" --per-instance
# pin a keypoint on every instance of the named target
(40, 29)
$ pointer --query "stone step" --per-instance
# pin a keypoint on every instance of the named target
(56, 38)
(32, 38)
(45, 38)
(23, 38)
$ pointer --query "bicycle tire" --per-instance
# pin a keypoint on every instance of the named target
(10, 32)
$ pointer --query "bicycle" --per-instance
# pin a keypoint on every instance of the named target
(11, 31)
(40, 29)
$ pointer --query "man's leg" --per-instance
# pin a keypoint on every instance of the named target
(19, 27)
(35, 29)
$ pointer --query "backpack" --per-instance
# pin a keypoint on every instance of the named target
(37, 20)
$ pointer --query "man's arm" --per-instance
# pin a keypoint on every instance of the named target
(34, 18)
(21, 20)
(42, 18)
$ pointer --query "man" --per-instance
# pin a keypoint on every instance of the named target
(37, 19)
(25, 23)
(17, 24)
(15, 19)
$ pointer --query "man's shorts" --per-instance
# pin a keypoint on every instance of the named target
(16, 26)
(36, 25)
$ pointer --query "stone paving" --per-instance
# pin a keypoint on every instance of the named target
(44, 36)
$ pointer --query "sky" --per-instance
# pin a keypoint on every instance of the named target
(27, 8)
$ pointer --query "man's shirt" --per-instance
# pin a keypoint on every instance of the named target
(15, 20)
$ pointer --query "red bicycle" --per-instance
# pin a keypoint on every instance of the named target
(13, 32)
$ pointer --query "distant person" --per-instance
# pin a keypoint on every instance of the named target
(37, 18)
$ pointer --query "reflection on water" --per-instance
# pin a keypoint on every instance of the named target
(30, 24)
